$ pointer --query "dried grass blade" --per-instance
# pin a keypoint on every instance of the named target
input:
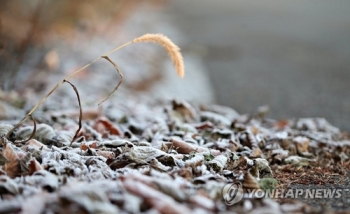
(80, 112)
(169, 46)
(120, 81)
(172, 49)
(43, 100)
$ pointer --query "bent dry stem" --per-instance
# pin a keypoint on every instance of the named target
(80, 111)
(120, 81)
(172, 50)
(33, 133)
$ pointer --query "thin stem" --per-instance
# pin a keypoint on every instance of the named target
(80, 111)
(120, 74)
(120, 47)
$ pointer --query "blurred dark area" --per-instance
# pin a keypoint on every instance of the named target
(293, 56)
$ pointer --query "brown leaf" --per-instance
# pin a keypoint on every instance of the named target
(250, 182)
(256, 153)
(185, 109)
(117, 164)
(103, 125)
(186, 148)
(93, 145)
(84, 147)
(34, 166)
(12, 167)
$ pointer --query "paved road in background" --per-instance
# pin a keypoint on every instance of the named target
(291, 55)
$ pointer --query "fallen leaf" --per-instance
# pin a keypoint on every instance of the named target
(84, 147)
(34, 166)
(103, 125)
(12, 167)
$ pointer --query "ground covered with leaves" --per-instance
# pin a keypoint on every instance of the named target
(167, 157)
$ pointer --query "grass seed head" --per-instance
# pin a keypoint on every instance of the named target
(172, 49)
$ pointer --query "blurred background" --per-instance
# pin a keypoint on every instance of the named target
(293, 56)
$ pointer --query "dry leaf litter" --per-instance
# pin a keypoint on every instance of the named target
(162, 157)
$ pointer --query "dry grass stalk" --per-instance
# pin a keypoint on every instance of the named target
(120, 81)
(80, 111)
(33, 133)
(170, 47)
